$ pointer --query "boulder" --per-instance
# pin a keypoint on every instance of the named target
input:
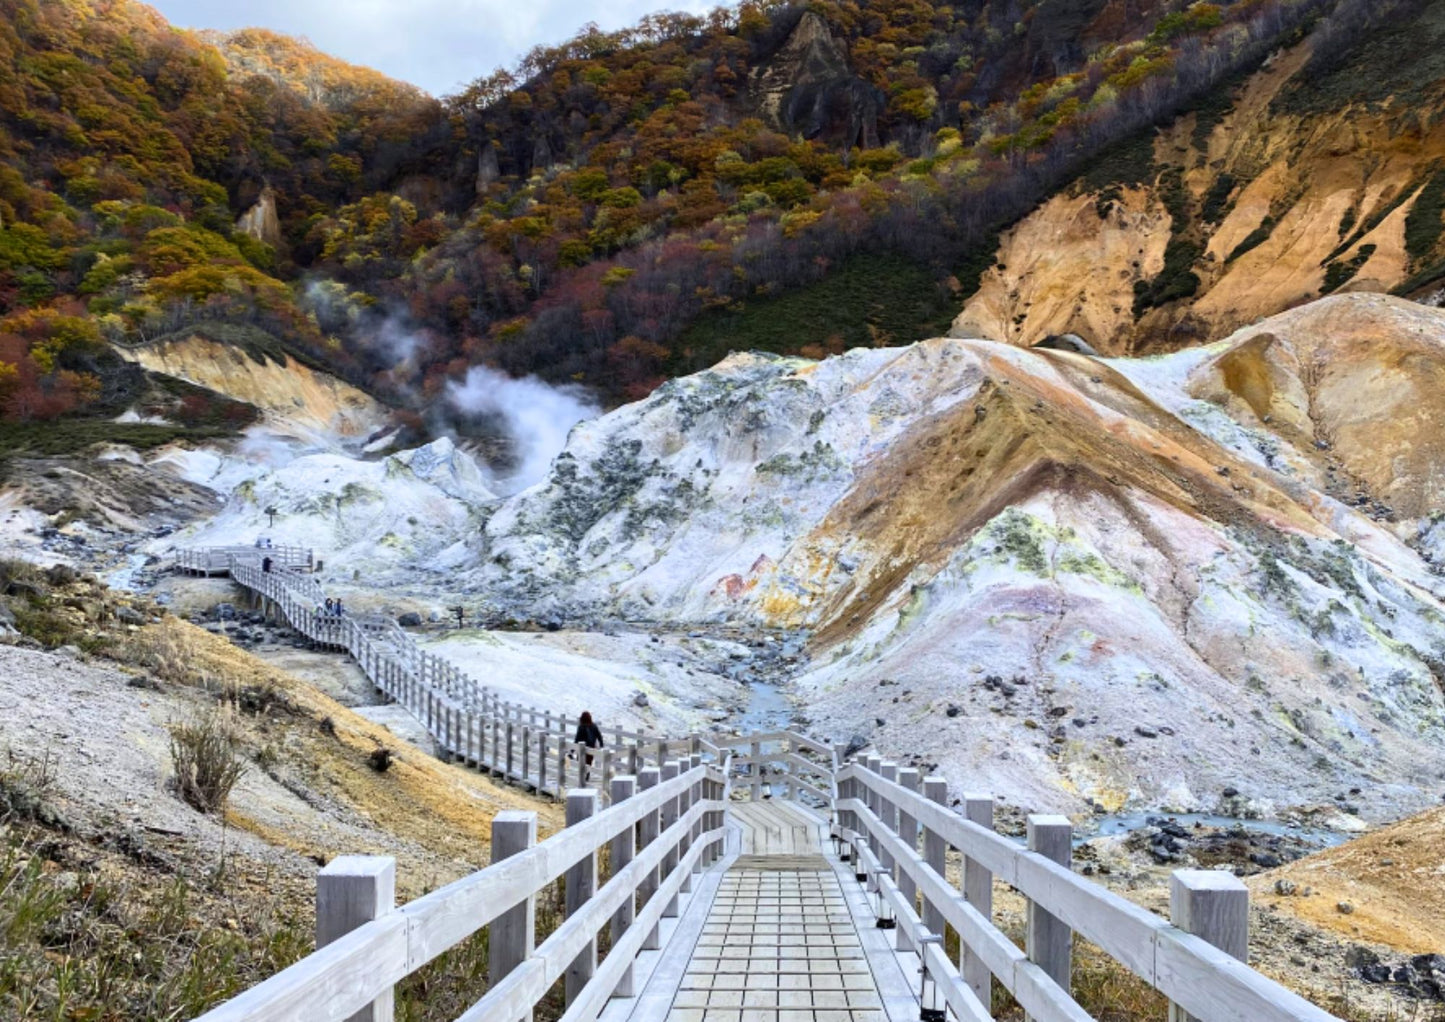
(411, 619)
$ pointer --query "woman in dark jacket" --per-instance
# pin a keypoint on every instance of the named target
(590, 735)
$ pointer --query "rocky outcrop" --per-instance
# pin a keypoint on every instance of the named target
(488, 170)
(807, 88)
(1067, 270)
(1299, 189)
(411, 509)
(1355, 385)
(1073, 581)
(291, 395)
(261, 221)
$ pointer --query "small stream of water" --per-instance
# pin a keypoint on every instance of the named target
(767, 709)
(1124, 823)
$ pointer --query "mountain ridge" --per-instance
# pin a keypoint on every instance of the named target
(581, 217)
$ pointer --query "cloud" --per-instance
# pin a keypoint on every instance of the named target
(437, 44)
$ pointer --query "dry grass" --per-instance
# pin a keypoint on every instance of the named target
(88, 932)
(204, 758)
(443, 808)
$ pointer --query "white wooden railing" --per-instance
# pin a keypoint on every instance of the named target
(662, 827)
(897, 829)
(669, 799)
(468, 722)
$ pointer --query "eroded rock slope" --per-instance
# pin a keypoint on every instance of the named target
(1199, 581)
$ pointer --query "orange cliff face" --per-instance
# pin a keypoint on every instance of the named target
(1311, 182)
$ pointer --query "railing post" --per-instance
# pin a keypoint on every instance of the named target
(1049, 941)
(581, 885)
(561, 762)
(624, 846)
(1214, 906)
(696, 794)
(888, 815)
(908, 834)
(684, 803)
(870, 799)
(978, 892)
(648, 777)
(350, 891)
(935, 850)
(509, 774)
(670, 770)
(513, 934)
(707, 818)
(757, 768)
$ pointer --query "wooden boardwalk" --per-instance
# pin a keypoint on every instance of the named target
(718, 909)
(776, 937)
(468, 723)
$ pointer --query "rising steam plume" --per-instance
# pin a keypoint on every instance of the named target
(537, 418)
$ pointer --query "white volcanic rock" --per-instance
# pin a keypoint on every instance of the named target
(987, 544)
(412, 509)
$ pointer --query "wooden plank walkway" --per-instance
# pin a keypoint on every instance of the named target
(782, 939)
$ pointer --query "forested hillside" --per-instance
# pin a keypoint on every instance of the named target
(612, 211)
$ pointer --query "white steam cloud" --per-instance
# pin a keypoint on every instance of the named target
(537, 415)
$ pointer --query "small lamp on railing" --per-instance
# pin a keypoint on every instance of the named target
(928, 1010)
(882, 911)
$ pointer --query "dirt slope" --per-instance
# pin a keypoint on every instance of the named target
(287, 391)
(1393, 880)
(308, 793)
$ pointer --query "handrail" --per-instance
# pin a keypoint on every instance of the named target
(879, 818)
(468, 722)
(1196, 975)
(352, 972)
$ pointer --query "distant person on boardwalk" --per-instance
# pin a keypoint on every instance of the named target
(266, 564)
(590, 735)
(337, 607)
(328, 611)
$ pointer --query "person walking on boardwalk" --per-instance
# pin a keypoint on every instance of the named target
(266, 565)
(328, 611)
(590, 735)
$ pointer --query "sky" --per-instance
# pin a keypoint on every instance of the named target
(437, 44)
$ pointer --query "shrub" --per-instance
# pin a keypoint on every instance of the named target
(1423, 224)
(163, 653)
(1256, 238)
(203, 755)
(25, 786)
(1177, 280)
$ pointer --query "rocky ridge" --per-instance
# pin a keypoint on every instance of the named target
(1071, 581)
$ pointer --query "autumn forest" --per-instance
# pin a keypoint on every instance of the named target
(612, 212)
